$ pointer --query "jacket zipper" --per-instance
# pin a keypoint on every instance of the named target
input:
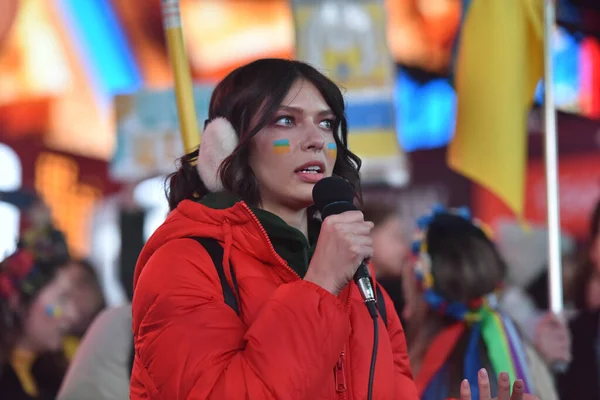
(341, 386)
(340, 376)
(266, 237)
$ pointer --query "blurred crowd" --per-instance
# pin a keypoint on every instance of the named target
(48, 299)
(57, 339)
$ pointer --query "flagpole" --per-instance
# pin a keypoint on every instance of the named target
(551, 149)
(188, 122)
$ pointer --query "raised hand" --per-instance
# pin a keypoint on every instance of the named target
(483, 382)
(553, 340)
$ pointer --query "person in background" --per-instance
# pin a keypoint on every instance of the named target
(102, 365)
(582, 379)
(551, 336)
(525, 297)
(89, 300)
(101, 368)
(37, 310)
(456, 327)
(390, 249)
(548, 332)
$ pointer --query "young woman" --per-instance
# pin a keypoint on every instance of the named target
(456, 327)
(294, 328)
(36, 312)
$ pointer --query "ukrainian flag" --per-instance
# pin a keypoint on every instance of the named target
(499, 64)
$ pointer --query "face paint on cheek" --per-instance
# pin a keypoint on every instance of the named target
(281, 146)
(53, 311)
(332, 150)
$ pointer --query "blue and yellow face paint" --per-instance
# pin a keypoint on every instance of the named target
(281, 146)
(332, 150)
(53, 311)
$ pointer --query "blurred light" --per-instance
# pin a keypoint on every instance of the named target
(102, 42)
(422, 33)
(357, 19)
(222, 35)
(397, 177)
(567, 72)
(71, 202)
(44, 50)
(590, 67)
(150, 194)
(425, 112)
(10, 179)
(576, 77)
(33, 61)
(41, 64)
(107, 237)
(330, 13)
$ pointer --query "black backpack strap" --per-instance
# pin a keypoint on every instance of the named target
(215, 251)
(381, 304)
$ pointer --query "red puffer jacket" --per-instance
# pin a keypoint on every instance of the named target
(292, 340)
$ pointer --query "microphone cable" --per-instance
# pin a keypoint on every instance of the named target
(373, 356)
(374, 313)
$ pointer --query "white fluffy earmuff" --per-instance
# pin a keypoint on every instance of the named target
(219, 140)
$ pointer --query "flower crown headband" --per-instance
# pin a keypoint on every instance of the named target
(464, 312)
(22, 272)
(14, 272)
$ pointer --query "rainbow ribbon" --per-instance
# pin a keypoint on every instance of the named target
(504, 348)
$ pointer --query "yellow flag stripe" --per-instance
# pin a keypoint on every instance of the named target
(374, 144)
(500, 62)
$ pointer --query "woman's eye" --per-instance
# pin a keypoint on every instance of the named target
(327, 124)
(285, 121)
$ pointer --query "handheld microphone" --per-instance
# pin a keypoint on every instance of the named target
(332, 196)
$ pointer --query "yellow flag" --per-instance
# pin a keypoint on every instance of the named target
(500, 62)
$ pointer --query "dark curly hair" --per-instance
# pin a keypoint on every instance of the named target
(249, 98)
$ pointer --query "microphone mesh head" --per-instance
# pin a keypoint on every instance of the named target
(331, 190)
